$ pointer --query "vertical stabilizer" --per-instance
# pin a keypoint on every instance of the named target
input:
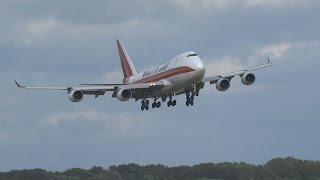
(126, 63)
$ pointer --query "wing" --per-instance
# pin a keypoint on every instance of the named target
(100, 89)
(229, 76)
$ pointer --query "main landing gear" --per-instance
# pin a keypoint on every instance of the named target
(156, 104)
(145, 105)
(171, 102)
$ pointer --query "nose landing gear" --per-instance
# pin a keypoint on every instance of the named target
(189, 98)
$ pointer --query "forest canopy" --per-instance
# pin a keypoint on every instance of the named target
(278, 169)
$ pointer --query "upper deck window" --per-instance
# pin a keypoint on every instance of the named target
(190, 55)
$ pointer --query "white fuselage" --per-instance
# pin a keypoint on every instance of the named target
(179, 74)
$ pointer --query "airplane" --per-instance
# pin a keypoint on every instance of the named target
(184, 74)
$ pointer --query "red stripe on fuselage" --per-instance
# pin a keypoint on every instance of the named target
(166, 74)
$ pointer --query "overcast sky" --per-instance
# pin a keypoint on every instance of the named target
(58, 43)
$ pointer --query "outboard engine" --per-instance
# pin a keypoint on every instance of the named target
(75, 96)
(248, 78)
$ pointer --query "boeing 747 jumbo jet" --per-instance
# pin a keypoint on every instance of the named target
(184, 74)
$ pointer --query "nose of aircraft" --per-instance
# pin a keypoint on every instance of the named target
(200, 68)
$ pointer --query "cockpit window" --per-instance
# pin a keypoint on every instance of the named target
(190, 55)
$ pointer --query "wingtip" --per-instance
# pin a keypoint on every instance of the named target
(19, 86)
(17, 83)
(269, 60)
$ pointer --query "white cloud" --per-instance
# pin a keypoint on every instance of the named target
(274, 51)
(48, 27)
(91, 115)
(216, 66)
(39, 29)
(279, 50)
(121, 122)
(112, 77)
(23, 136)
(102, 29)
(220, 4)
(112, 121)
(277, 3)
(194, 6)
(43, 26)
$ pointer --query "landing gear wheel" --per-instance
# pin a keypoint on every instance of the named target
(174, 102)
(191, 103)
(158, 105)
(187, 103)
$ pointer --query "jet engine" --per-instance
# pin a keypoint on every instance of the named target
(222, 84)
(248, 78)
(75, 96)
(124, 94)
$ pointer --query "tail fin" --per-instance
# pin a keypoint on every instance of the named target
(126, 63)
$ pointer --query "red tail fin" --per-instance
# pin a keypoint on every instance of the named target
(126, 63)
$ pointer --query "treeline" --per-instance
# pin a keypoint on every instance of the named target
(276, 169)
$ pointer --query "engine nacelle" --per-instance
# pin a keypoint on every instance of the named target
(75, 96)
(222, 84)
(248, 78)
(124, 94)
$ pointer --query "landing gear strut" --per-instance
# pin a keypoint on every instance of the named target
(164, 98)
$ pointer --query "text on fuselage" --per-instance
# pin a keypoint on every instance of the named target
(155, 70)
